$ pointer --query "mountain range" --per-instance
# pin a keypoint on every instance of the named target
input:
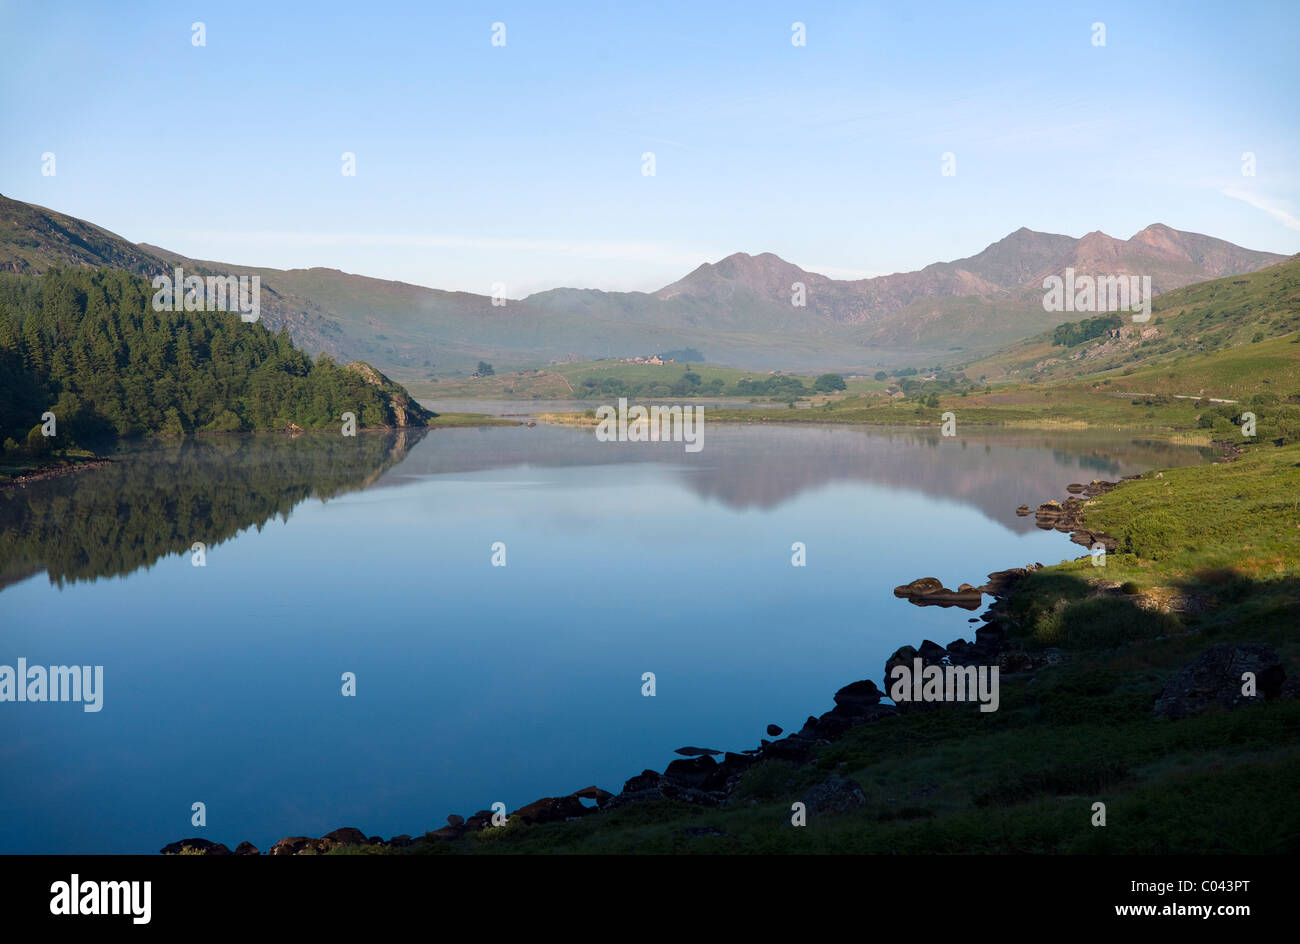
(737, 311)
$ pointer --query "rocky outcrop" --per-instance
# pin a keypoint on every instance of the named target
(1215, 680)
(858, 698)
(1067, 516)
(345, 836)
(196, 846)
(834, 795)
(551, 810)
(594, 793)
(401, 411)
(930, 591)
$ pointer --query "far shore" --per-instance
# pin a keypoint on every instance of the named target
(986, 420)
(28, 470)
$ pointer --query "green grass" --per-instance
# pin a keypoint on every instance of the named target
(1156, 400)
(450, 420)
(566, 380)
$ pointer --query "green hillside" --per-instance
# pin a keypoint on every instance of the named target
(87, 345)
(736, 312)
(1198, 319)
(33, 239)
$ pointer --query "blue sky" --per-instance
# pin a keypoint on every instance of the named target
(522, 164)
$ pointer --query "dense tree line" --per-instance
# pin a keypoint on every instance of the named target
(1076, 332)
(87, 345)
(690, 384)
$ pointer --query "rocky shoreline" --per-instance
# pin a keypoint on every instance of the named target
(698, 778)
(55, 471)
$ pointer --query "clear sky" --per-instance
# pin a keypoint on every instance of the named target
(522, 164)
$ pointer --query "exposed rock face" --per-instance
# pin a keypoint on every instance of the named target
(929, 654)
(701, 781)
(691, 772)
(932, 652)
(858, 696)
(345, 836)
(835, 795)
(551, 810)
(401, 409)
(594, 793)
(1215, 680)
(292, 845)
(1000, 582)
(646, 780)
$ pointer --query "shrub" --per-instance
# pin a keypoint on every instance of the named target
(1154, 535)
(37, 443)
(226, 422)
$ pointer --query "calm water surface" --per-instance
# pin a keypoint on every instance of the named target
(475, 683)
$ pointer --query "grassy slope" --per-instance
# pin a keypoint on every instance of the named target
(1106, 402)
(1197, 319)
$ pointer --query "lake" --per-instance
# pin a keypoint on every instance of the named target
(474, 683)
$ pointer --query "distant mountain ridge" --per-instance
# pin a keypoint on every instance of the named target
(1020, 260)
(737, 310)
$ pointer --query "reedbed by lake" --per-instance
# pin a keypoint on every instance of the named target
(474, 683)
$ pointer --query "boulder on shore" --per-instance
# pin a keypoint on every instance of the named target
(551, 810)
(1215, 680)
(930, 591)
(857, 697)
(835, 795)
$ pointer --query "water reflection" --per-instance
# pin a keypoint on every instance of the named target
(162, 497)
